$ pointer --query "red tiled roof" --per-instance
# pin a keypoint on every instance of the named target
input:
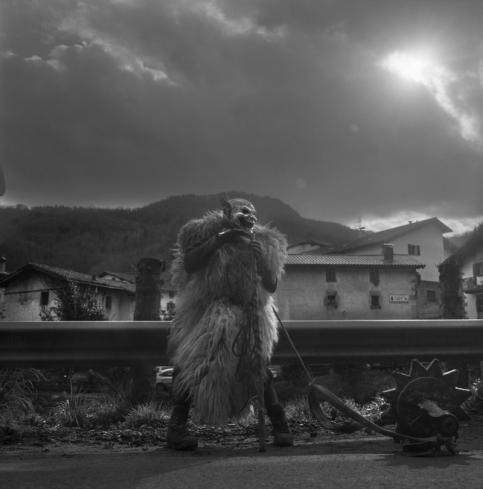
(354, 260)
(127, 277)
(71, 275)
(131, 278)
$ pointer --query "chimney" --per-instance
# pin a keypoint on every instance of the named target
(3, 265)
(388, 252)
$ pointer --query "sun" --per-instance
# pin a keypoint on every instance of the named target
(418, 66)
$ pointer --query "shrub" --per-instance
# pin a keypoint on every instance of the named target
(17, 389)
(104, 414)
(74, 303)
(72, 412)
(145, 415)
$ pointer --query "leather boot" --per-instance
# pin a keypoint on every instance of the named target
(178, 437)
(281, 431)
(282, 437)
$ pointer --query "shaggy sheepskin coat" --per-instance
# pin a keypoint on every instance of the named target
(213, 306)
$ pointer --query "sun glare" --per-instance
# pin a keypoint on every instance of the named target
(416, 67)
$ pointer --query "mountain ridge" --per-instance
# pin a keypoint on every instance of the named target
(92, 239)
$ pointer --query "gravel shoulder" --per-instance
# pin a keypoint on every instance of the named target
(223, 443)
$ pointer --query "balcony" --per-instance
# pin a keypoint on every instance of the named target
(472, 285)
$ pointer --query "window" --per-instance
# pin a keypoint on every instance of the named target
(414, 249)
(375, 301)
(331, 300)
(44, 298)
(374, 276)
(108, 302)
(330, 275)
(430, 296)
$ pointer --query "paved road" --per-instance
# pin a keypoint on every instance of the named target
(362, 464)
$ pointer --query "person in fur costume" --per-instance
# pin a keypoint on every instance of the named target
(226, 269)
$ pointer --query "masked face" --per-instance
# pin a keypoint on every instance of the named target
(241, 212)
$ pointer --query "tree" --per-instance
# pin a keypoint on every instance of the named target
(451, 294)
(74, 303)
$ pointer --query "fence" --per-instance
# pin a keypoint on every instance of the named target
(47, 344)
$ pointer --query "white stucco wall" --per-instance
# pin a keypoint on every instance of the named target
(22, 299)
(20, 305)
(302, 291)
(122, 305)
(430, 240)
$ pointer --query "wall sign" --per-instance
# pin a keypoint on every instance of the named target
(399, 298)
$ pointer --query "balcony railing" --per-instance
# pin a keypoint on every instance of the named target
(472, 284)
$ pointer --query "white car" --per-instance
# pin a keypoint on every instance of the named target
(164, 379)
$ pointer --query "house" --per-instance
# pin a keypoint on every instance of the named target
(343, 286)
(168, 294)
(467, 277)
(423, 240)
(31, 290)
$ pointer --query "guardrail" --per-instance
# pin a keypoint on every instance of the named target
(45, 344)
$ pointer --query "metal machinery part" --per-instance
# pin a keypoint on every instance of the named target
(424, 406)
(426, 403)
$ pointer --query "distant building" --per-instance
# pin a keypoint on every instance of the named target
(168, 294)
(422, 239)
(468, 265)
(329, 286)
(31, 290)
(425, 241)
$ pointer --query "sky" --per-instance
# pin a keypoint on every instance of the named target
(367, 113)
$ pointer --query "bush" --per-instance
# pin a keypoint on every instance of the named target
(362, 385)
(74, 303)
(146, 415)
(104, 415)
(72, 412)
(17, 390)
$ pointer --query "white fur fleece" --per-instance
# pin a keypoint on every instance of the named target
(211, 310)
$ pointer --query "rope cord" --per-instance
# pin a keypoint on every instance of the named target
(310, 379)
(317, 391)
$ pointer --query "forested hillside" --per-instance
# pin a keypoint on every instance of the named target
(92, 239)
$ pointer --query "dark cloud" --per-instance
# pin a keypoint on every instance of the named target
(125, 102)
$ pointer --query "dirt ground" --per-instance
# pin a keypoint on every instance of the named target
(470, 438)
